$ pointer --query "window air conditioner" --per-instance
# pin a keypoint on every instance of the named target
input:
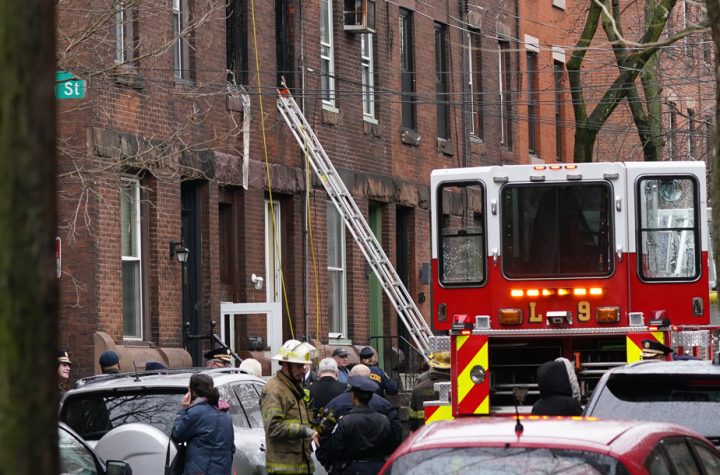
(359, 16)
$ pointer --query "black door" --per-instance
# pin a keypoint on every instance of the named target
(192, 275)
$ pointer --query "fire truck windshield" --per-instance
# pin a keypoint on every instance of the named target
(554, 230)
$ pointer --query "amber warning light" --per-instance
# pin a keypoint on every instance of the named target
(578, 292)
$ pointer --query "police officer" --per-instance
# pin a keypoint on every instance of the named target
(386, 385)
(64, 365)
(362, 439)
(654, 350)
(424, 389)
(219, 358)
(342, 405)
(288, 433)
(109, 362)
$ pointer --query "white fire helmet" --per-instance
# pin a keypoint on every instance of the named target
(294, 351)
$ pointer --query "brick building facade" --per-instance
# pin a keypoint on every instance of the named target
(178, 138)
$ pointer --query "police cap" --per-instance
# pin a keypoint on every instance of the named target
(653, 348)
(363, 383)
(63, 357)
(367, 352)
(154, 366)
(219, 354)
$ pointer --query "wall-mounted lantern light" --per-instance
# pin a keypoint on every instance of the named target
(178, 249)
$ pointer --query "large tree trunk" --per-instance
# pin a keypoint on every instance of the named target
(630, 62)
(28, 295)
(713, 9)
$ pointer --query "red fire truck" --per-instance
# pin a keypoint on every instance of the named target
(584, 261)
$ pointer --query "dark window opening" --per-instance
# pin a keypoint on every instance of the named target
(407, 70)
(556, 230)
(441, 82)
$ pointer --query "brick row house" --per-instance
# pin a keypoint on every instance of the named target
(178, 146)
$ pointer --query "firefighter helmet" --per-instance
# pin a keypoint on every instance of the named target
(294, 351)
(440, 360)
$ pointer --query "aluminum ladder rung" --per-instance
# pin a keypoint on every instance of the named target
(342, 199)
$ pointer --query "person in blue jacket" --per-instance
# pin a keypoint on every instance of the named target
(386, 385)
(204, 424)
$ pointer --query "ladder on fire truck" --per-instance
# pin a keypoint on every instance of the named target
(394, 288)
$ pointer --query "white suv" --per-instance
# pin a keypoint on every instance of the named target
(130, 416)
(683, 392)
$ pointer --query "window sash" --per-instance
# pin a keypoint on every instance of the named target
(368, 75)
(477, 125)
(441, 86)
(120, 53)
(337, 315)
(504, 90)
(327, 53)
(558, 71)
(532, 78)
(131, 252)
(407, 73)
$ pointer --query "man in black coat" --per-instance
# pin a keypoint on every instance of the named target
(362, 439)
(343, 404)
(327, 386)
(559, 390)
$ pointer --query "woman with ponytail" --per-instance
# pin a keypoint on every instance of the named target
(204, 424)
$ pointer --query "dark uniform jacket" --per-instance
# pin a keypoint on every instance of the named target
(386, 383)
(287, 428)
(556, 393)
(359, 443)
(325, 390)
(424, 390)
(342, 405)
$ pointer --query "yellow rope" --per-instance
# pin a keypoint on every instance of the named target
(267, 168)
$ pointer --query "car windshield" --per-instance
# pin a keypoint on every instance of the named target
(505, 461)
(689, 400)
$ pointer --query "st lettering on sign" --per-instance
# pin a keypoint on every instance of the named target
(68, 86)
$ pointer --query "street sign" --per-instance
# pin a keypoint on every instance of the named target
(68, 86)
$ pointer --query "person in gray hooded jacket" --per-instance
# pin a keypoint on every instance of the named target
(559, 390)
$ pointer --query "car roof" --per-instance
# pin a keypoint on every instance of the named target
(668, 367)
(546, 431)
(176, 378)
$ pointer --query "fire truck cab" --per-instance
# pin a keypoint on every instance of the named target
(583, 261)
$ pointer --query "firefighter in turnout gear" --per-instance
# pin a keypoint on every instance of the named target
(424, 389)
(288, 433)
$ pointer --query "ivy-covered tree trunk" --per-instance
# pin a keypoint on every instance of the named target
(28, 295)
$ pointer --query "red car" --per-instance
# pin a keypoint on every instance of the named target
(549, 445)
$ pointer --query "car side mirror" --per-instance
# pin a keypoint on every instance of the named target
(117, 467)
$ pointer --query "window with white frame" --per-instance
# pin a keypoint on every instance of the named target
(130, 242)
(337, 315)
(125, 31)
(368, 76)
(181, 49)
(327, 53)
(475, 76)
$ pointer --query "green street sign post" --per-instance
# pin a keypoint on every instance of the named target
(68, 86)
